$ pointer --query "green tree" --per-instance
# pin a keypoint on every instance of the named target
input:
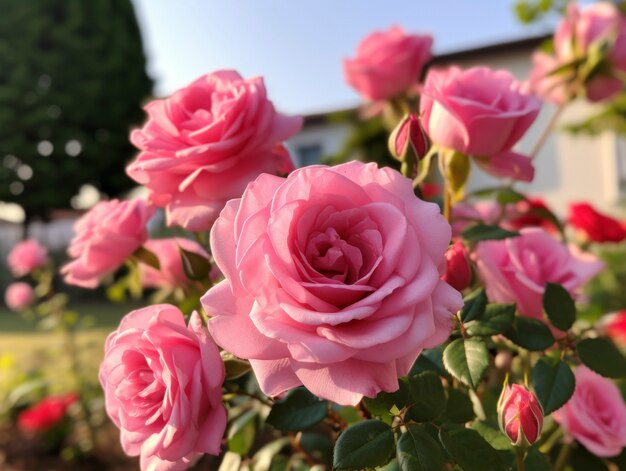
(72, 81)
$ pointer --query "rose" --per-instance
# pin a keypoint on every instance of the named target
(19, 296)
(458, 271)
(595, 415)
(162, 383)
(520, 415)
(465, 214)
(614, 325)
(332, 280)
(517, 269)
(387, 63)
(171, 272)
(577, 38)
(104, 238)
(595, 226)
(481, 113)
(26, 257)
(531, 212)
(201, 146)
(46, 413)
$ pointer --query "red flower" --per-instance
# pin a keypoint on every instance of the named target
(458, 271)
(615, 327)
(597, 227)
(520, 415)
(46, 413)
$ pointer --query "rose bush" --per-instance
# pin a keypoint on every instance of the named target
(201, 146)
(104, 238)
(332, 280)
(163, 382)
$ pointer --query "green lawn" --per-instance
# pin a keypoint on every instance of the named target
(34, 348)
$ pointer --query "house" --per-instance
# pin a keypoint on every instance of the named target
(568, 168)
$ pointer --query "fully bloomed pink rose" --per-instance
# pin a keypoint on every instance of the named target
(170, 273)
(387, 63)
(332, 280)
(578, 33)
(19, 296)
(26, 257)
(201, 146)
(517, 269)
(162, 384)
(104, 238)
(481, 113)
(595, 415)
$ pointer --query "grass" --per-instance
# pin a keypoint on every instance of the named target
(33, 348)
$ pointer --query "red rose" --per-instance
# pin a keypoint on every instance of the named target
(46, 413)
(596, 227)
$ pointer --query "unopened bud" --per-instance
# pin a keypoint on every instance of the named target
(409, 131)
(520, 415)
(458, 272)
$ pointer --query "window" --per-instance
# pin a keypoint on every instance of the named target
(309, 154)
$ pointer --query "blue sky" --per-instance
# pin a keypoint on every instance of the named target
(298, 45)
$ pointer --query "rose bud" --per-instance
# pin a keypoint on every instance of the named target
(409, 131)
(458, 271)
(520, 415)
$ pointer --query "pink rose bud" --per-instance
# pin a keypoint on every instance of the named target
(19, 296)
(520, 415)
(408, 131)
(458, 271)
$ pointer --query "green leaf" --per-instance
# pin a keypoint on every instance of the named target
(418, 451)
(530, 334)
(242, 432)
(196, 267)
(470, 451)
(318, 446)
(364, 445)
(235, 368)
(298, 410)
(497, 319)
(144, 255)
(431, 359)
(559, 306)
(466, 360)
(262, 459)
(553, 382)
(602, 356)
(426, 396)
(493, 436)
(479, 232)
(381, 405)
(459, 407)
(474, 305)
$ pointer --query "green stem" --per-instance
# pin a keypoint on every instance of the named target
(561, 460)
(520, 456)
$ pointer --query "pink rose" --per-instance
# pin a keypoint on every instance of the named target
(201, 146)
(387, 63)
(595, 415)
(517, 269)
(332, 280)
(481, 113)
(19, 296)
(162, 384)
(578, 33)
(27, 256)
(104, 238)
(170, 273)
(465, 214)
